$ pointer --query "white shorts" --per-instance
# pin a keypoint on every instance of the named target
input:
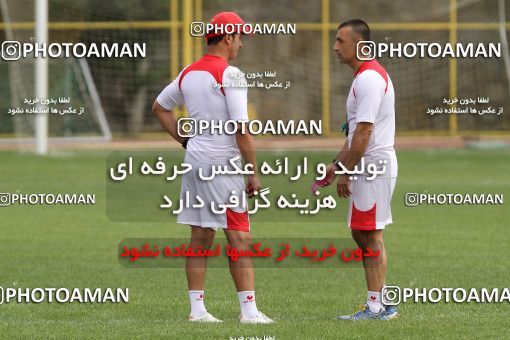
(370, 203)
(217, 190)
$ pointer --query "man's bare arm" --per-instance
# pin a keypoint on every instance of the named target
(332, 167)
(341, 156)
(168, 120)
(247, 149)
(359, 145)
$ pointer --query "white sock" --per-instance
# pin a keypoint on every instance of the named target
(248, 306)
(196, 299)
(384, 285)
(374, 302)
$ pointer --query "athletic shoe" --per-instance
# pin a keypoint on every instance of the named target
(206, 318)
(391, 312)
(260, 318)
(365, 314)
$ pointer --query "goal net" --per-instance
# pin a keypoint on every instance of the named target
(73, 104)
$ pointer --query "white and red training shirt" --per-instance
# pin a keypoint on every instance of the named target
(214, 91)
(372, 99)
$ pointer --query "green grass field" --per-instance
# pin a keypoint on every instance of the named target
(428, 246)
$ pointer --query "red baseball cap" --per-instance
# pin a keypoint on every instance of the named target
(226, 23)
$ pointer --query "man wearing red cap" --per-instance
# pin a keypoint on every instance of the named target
(216, 92)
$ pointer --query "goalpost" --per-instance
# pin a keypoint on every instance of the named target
(124, 88)
(41, 76)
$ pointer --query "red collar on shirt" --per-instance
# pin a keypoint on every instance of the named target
(213, 57)
(367, 65)
(373, 65)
